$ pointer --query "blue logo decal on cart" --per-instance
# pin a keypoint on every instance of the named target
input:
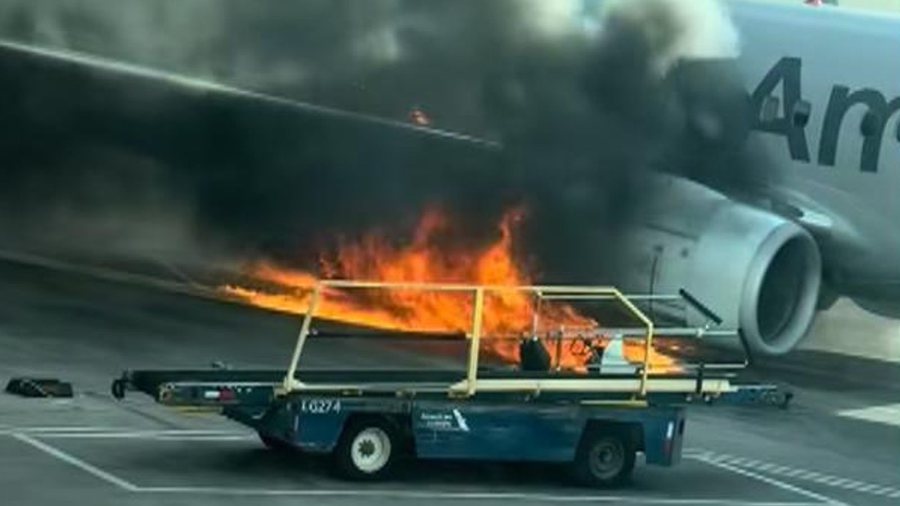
(451, 421)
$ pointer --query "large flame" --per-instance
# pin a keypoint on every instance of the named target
(507, 315)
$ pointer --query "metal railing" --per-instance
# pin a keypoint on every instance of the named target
(469, 385)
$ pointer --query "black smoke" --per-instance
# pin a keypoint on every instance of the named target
(94, 160)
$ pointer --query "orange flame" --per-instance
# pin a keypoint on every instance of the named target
(507, 313)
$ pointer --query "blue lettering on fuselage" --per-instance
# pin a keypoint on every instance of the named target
(791, 121)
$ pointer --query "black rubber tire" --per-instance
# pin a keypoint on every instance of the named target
(118, 389)
(605, 458)
(344, 451)
(275, 444)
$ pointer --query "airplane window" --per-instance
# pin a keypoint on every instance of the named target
(769, 111)
(802, 110)
(869, 124)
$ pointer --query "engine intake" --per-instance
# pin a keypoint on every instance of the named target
(755, 269)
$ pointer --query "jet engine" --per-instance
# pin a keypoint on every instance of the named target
(757, 270)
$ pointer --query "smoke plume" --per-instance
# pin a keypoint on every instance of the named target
(586, 98)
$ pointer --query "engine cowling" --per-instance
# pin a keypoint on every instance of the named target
(755, 269)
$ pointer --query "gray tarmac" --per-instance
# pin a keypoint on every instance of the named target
(838, 443)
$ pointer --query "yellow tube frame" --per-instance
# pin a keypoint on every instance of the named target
(469, 386)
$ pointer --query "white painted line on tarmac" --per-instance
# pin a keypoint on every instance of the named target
(437, 495)
(772, 481)
(106, 433)
(803, 475)
(152, 437)
(75, 461)
(888, 414)
(61, 428)
(395, 494)
(703, 456)
(89, 431)
(149, 434)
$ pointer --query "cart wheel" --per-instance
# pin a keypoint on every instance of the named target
(367, 449)
(604, 459)
(118, 389)
(275, 444)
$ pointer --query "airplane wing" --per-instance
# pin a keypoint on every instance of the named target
(79, 82)
(238, 153)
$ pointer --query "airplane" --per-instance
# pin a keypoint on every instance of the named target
(821, 99)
